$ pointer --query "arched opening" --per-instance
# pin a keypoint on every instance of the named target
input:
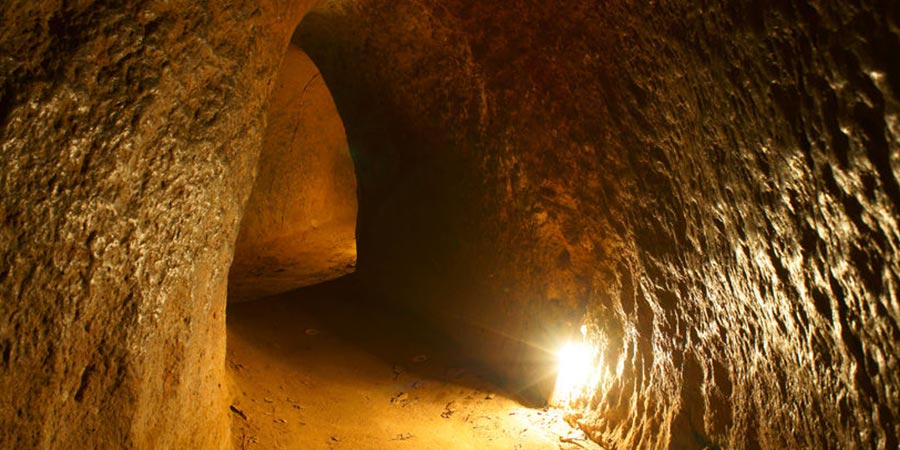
(298, 227)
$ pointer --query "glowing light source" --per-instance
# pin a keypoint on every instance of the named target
(578, 371)
(575, 371)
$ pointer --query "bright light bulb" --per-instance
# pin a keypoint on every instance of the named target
(575, 366)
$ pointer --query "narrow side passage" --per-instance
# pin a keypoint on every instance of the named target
(322, 368)
(299, 226)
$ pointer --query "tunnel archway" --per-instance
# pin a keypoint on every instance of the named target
(299, 224)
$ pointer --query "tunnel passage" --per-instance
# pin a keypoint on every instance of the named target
(299, 224)
(362, 357)
(711, 190)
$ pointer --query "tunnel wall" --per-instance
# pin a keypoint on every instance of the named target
(129, 135)
(712, 188)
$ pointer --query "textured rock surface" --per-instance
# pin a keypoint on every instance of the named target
(715, 188)
(299, 226)
(129, 133)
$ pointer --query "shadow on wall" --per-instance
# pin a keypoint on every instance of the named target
(299, 225)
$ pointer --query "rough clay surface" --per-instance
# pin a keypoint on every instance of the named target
(714, 187)
(322, 368)
(129, 133)
(299, 226)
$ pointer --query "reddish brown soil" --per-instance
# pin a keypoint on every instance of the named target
(319, 369)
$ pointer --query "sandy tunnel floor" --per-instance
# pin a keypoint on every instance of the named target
(315, 369)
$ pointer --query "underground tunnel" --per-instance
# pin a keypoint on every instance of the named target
(313, 363)
(393, 224)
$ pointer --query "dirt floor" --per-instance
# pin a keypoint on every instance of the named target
(319, 368)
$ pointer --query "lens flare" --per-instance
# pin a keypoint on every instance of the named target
(574, 371)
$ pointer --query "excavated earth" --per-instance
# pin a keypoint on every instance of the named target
(325, 368)
(712, 189)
